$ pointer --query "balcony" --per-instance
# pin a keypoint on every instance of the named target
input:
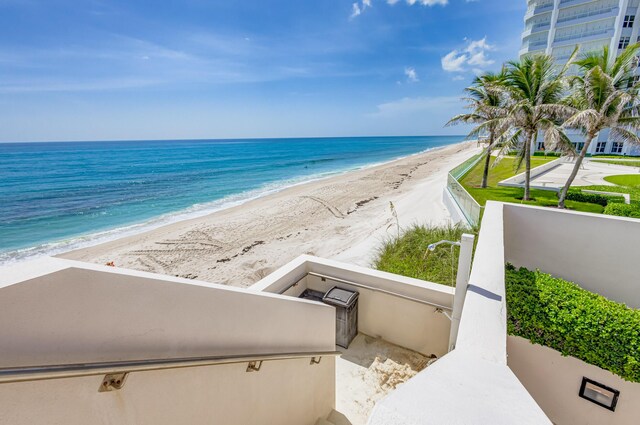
(582, 37)
(570, 3)
(530, 47)
(590, 16)
(536, 28)
(537, 10)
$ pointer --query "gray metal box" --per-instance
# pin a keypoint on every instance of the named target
(346, 304)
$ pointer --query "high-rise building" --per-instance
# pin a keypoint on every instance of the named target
(555, 27)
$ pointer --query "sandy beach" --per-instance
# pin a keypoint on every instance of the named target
(345, 217)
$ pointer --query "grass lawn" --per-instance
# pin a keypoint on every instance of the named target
(629, 180)
(614, 162)
(613, 156)
(505, 169)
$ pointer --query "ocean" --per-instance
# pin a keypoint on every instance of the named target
(58, 196)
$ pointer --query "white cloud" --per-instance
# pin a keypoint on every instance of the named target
(355, 10)
(474, 55)
(453, 62)
(358, 8)
(428, 2)
(412, 75)
(409, 105)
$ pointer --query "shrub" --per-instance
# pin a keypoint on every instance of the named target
(593, 198)
(407, 255)
(573, 321)
(550, 154)
(623, 210)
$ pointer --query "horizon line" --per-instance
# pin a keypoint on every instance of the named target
(221, 139)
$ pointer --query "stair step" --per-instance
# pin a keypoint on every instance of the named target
(337, 418)
(334, 418)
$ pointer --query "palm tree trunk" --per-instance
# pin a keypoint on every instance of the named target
(527, 166)
(574, 172)
(487, 162)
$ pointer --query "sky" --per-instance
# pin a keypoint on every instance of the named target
(204, 69)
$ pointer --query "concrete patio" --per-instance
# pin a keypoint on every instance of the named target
(554, 174)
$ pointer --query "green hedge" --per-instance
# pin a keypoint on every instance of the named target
(573, 321)
(539, 153)
(550, 154)
(623, 210)
(593, 198)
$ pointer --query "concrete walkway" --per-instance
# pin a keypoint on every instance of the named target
(591, 173)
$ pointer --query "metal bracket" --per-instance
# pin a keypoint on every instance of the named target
(315, 360)
(254, 366)
(441, 311)
(112, 382)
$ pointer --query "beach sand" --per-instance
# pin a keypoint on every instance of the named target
(344, 217)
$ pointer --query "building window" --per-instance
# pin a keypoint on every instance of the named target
(540, 146)
(628, 21)
(600, 147)
(616, 147)
(624, 42)
(579, 146)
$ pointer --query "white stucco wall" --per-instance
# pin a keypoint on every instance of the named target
(291, 392)
(472, 384)
(81, 313)
(57, 312)
(595, 251)
(403, 322)
(554, 381)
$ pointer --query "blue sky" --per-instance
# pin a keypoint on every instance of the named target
(111, 70)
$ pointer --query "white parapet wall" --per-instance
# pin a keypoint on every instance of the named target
(554, 382)
(61, 312)
(597, 252)
(472, 384)
(390, 307)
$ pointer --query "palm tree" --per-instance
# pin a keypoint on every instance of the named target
(535, 90)
(603, 99)
(487, 105)
(620, 66)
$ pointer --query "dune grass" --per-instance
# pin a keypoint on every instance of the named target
(407, 255)
(507, 168)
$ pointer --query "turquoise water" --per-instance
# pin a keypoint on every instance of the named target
(62, 195)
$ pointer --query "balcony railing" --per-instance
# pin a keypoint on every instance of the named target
(587, 14)
(585, 34)
(543, 8)
(539, 27)
(536, 45)
(535, 10)
(569, 3)
(467, 204)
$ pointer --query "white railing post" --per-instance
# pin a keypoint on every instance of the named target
(462, 281)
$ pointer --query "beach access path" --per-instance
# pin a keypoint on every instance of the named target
(344, 217)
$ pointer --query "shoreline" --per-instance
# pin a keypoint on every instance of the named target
(336, 216)
(99, 237)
